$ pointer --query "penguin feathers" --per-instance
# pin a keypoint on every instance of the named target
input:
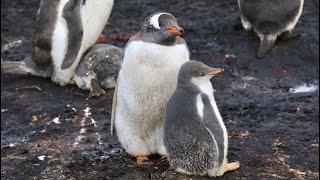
(64, 31)
(195, 136)
(42, 39)
(146, 81)
(269, 19)
(71, 13)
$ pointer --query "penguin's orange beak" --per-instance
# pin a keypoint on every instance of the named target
(215, 71)
(176, 31)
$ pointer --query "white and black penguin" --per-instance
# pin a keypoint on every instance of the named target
(147, 79)
(98, 69)
(269, 19)
(195, 135)
(64, 30)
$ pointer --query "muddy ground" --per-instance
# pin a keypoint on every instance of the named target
(273, 132)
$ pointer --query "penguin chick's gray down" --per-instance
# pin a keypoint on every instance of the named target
(195, 136)
(269, 19)
(64, 30)
(99, 68)
(147, 79)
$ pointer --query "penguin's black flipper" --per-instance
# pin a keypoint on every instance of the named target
(71, 13)
(114, 108)
(211, 121)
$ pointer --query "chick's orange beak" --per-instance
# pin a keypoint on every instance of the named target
(216, 71)
(176, 31)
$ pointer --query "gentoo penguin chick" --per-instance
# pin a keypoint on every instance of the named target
(147, 79)
(195, 136)
(64, 30)
(99, 69)
(269, 19)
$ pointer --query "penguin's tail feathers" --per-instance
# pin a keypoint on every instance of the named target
(23, 67)
(267, 42)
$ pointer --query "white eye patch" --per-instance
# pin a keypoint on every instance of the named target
(154, 20)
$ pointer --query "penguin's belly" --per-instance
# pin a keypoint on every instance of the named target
(95, 15)
(146, 81)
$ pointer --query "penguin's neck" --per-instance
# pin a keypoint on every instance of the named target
(204, 85)
(155, 55)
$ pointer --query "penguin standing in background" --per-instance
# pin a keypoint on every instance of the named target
(195, 136)
(99, 68)
(269, 19)
(64, 30)
(147, 79)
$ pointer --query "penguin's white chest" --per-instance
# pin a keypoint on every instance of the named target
(155, 55)
(206, 88)
(149, 74)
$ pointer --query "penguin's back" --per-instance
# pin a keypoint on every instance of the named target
(42, 39)
(271, 16)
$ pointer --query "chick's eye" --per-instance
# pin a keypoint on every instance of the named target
(202, 74)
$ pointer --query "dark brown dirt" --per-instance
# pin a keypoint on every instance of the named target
(273, 133)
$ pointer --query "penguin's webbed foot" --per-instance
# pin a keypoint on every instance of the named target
(164, 158)
(102, 39)
(289, 35)
(232, 166)
(142, 159)
(96, 89)
(251, 33)
(72, 81)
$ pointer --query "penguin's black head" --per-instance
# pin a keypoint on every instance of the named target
(162, 28)
(196, 70)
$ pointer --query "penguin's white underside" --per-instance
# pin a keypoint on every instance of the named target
(143, 92)
(59, 46)
(153, 65)
(204, 84)
(94, 15)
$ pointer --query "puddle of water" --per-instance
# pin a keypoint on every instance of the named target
(304, 88)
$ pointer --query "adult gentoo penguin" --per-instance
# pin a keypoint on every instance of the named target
(269, 19)
(64, 30)
(146, 81)
(195, 136)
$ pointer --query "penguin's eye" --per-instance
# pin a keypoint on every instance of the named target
(202, 74)
(161, 24)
